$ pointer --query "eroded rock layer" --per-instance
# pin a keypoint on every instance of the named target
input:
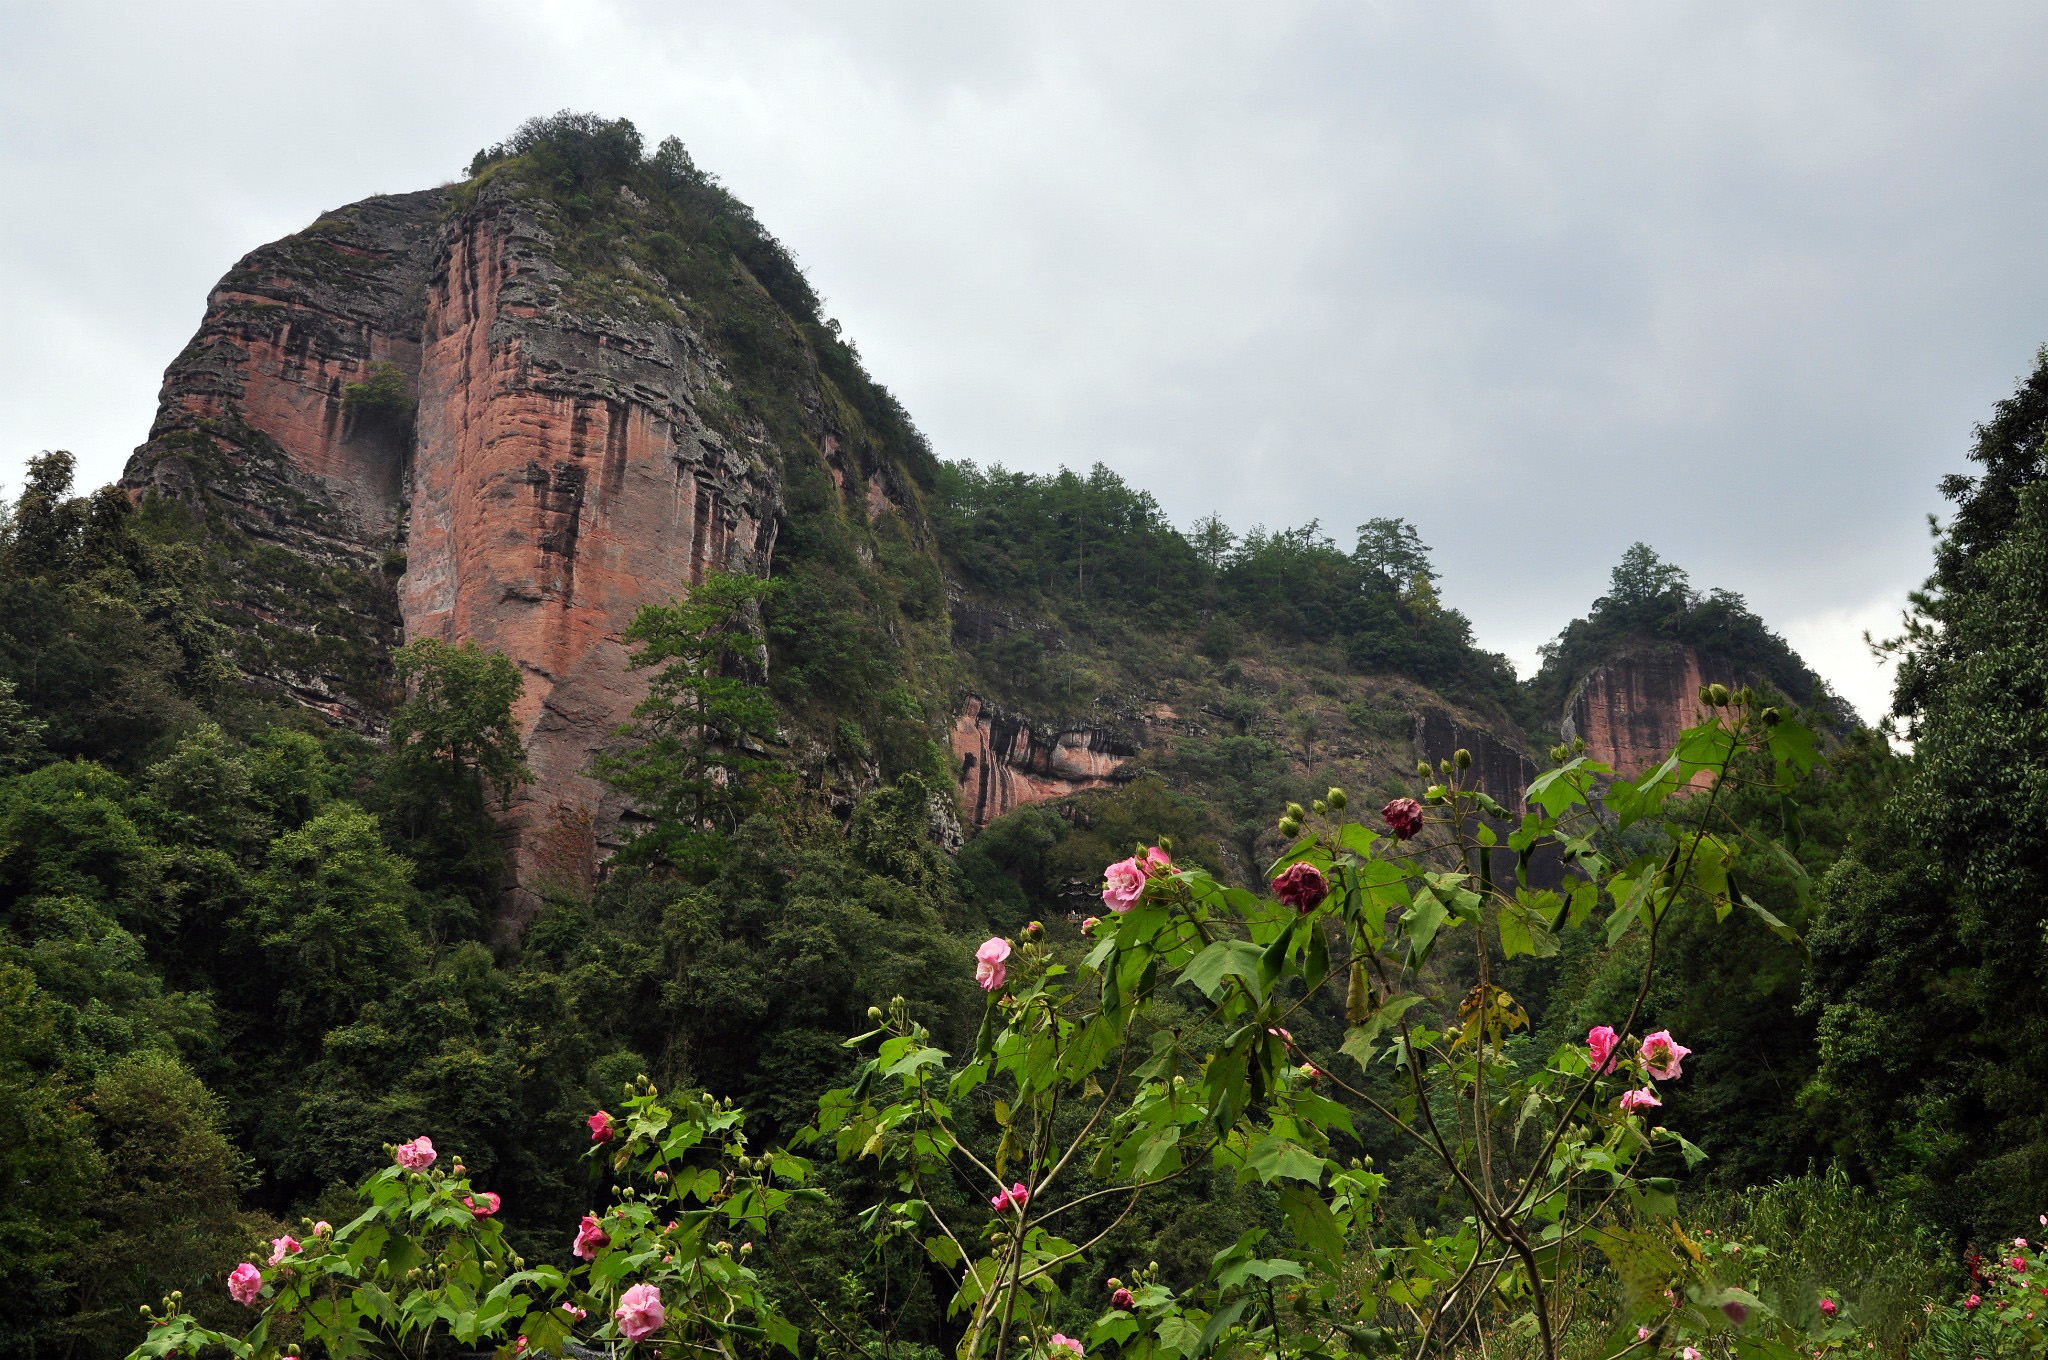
(555, 476)
(1631, 708)
(1003, 762)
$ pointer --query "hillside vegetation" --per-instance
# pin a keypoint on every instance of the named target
(245, 954)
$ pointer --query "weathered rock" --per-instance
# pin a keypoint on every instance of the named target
(1005, 763)
(253, 431)
(1631, 708)
(556, 476)
(1498, 769)
(563, 478)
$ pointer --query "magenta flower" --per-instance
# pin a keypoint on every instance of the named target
(1972, 1301)
(322, 1228)
(281, 1247)
(639, 1312)
(245, 1282)
(988, 963)
(601, 1130)
(1662, 1054)
(573, 1311)
(1404, 817)
(1016, 1197)
(1828, 1307)
(1123, 883)
(1600, 1044)
(1689, 1353)
(1302, 887)
(1062, 1341)
(417, 1155)
(590, 1235)
(1645, 1099)
(483, 1205)
(1123, 1301)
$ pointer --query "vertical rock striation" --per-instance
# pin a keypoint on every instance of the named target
(1631, 708)
(556, 475)
(1004, 763)
(253, 431)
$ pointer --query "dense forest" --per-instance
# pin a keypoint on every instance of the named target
(244, 951)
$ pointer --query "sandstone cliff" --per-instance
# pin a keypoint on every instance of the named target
(558, 473)
(1631, 707)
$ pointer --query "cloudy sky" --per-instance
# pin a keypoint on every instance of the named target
(1545, 279)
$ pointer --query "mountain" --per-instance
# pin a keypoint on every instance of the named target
(517, 409)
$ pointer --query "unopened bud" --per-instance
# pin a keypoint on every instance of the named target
(1336, 799)
(1295, 811)
(1422, 769)
(1166, 844)
(875, 1014)
(1707, 695)
(1720, 694)
(1772, 717)
(1578, 745)
(1464, 758)
(1320, 807)
(1289, 827)
(1034, 930)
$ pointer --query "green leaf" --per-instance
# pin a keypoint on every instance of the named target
(1311, 1221)
(943, 1249)
(1225, 1318)
(1425, 917)
(1360, 1041)
(1273, 1158)
(1222, 960)
(1556, 791)
(1357, 839)
(1792, 748)
(1178, 1336)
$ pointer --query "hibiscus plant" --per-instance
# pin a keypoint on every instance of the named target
(1169, 1048)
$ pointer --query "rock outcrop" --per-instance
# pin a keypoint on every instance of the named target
(1501, 770)
(556, 475)
(1631, 708)
(1003, 762)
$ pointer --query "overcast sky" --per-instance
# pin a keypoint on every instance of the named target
(1733, 279)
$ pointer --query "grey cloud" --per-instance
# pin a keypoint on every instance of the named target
(1736, 279)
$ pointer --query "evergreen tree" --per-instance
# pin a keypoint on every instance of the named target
(701, 737)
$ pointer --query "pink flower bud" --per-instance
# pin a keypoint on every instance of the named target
(601, 1129)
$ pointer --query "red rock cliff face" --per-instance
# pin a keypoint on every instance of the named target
(555, 477)
(253, 431)
(1631, 708)
(562, 480)
(1004, 764)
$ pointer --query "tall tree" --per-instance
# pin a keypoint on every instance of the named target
(1928, 959)
(699, 757)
